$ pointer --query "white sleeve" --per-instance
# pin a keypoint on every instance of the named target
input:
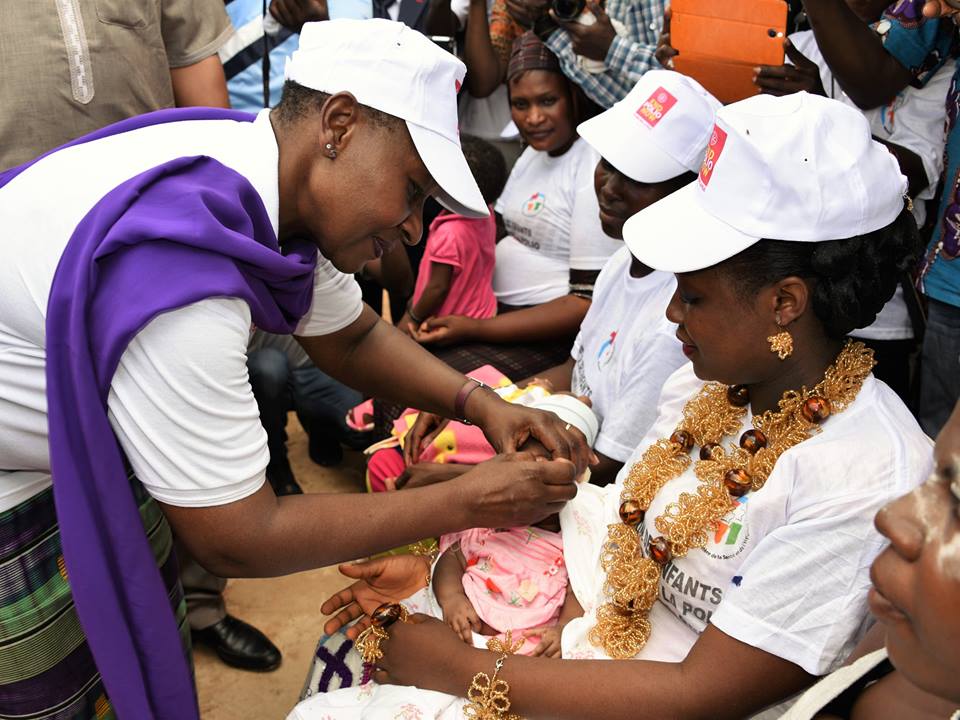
(635, 409)
(182, 408)
(590, 247)
(337, 301)
(801, 594)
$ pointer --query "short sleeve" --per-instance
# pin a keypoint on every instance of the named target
(443, 245)
(182, 408)
(922, 45)
(337, 301)
(801, 594)
(634, 410)
(590, 247)
(193, 30)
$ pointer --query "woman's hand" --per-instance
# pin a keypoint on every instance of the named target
(419, 437)
(507, 427)
(447, 330)
(385, 579)
(515, 490)
(665, 52)
(421, 652)
(787, 79)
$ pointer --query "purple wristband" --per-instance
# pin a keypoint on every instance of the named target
(460, 403)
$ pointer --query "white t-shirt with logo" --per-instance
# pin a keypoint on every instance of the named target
(914, 119)
(625, 351)
(180, 402)
(787, 570)
(550, 211)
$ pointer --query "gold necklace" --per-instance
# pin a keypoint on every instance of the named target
(633, 576)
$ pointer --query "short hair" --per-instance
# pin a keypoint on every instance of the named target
(487, 165)
(852, 278)
(297, 102)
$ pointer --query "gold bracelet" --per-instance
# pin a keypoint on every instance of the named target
(487, 695)
(428, 549)
(368, 641)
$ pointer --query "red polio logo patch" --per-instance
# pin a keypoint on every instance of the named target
(655, 107)
(718, 138)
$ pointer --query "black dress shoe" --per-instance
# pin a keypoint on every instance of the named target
(280, 477)
(324, 448)
(240, 645)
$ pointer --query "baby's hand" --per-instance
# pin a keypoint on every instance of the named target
(459, 614)
(549, 640)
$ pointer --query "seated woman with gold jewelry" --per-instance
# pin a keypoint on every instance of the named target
(730, 560)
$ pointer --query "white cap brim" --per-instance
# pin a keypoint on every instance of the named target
(445, 161)
(678, 235)
(632, 153)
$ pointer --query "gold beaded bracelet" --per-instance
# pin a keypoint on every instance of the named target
(487, 695)
(428, 549)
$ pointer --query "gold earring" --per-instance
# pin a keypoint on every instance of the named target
(782, 342)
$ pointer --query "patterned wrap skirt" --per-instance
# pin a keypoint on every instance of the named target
(46, 669)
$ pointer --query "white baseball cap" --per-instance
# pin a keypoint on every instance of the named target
(391, 68)
(800, 167)
(658, 131)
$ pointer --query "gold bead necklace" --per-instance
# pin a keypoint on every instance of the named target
(633, 572)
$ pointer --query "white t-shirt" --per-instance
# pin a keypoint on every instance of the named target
(787, 570)
(916, 120)
(550, 211)
(625, 351)
(180, 402)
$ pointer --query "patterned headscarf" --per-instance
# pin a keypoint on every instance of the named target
(529, 53)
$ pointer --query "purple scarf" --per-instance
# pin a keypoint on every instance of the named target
(176, 234)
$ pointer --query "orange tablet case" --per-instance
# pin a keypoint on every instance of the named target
(721, 41)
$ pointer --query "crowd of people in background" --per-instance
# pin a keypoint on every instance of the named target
(661, 389)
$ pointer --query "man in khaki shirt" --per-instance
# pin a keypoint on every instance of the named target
(74, 66)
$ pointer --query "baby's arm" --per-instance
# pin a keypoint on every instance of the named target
(550, 636)
(458, 612)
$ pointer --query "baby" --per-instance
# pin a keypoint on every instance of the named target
(513, 580)
(494, 581)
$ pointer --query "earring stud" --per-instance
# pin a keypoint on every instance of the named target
(331, 150)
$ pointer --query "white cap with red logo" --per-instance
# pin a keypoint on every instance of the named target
(391, 68)
(800, 167)
(658, 131)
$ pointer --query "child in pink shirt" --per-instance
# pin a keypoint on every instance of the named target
(456, 273)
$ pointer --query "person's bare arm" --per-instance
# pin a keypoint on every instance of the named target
(555, 320)
(484, 70)
(201, 84)
(868, 74)
(265, 536)
(910, 165)
(720, 678)
(604, 472)
(458, 611)
(559, 377)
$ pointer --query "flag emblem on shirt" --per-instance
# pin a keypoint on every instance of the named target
(606, 350)
(535, 204)
(718, 138)
(655, 107)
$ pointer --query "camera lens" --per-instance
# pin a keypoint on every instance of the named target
(568, 10)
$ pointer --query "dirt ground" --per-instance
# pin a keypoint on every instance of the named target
(287, 609)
